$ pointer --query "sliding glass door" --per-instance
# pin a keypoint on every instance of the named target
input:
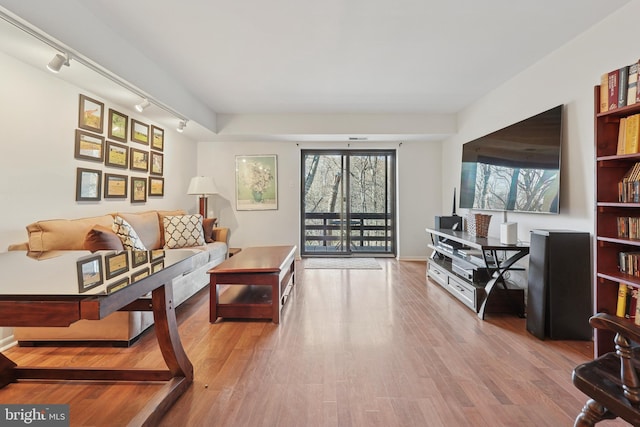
(348, 202)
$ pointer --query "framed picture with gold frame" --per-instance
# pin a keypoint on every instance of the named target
(91, 114)
(139, 160)
(89, 146)
(115, 186)
(116, 264)
(118, 128)
(157, 138)
(156, 163)
(139, 132)
(138, 189)
(116, 155)
(156, 186)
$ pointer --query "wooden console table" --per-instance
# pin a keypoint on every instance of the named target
(71, 286)
(262, 278)
(473, 269)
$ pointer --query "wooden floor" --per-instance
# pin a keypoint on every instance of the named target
(355, 348)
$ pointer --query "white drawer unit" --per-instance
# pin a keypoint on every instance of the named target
(438, 274)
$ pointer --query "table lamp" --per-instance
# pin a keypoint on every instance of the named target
(202, 186)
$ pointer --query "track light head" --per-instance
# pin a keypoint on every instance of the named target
(144, 104)
(57, 62)
(181, 125)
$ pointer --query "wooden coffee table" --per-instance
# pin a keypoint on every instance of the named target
(261, 279)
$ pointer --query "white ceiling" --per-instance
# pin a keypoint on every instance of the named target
(327, 57)
(345, 56)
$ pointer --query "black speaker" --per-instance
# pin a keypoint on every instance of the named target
(559, 295)
(449, 222)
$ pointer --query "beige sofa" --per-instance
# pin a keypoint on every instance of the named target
(120, 328)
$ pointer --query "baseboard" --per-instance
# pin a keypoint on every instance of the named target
(7, 342)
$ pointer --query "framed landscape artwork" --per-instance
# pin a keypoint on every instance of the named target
(89, 272)
(89, 146)
(156, 186)
(118, 125)
(88, 184)
(157, 138)
(115, 186)
(139, 132)
(156, 163)
(138, 190)
(116, 263)
(139, 160)
(91, 114)
(116, 155)
(256, 182)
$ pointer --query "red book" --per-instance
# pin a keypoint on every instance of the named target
(632, 294)
(613, 89)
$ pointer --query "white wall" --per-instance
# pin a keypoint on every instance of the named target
(419, 183)
(567, 76)
(37, 167)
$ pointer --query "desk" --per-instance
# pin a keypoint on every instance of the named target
(261, 279)
(57, 289)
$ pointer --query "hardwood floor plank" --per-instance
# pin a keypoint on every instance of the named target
(354, 348)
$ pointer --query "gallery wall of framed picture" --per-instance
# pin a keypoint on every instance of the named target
(127, 155)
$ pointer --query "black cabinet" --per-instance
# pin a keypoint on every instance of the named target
(559, 296)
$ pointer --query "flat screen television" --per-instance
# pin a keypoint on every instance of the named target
(516, 168)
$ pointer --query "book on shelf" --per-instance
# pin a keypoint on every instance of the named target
(604, 93)
(612, 84)
(628, 227)
(629, 263)
(622, 133)
(627, 303)
(632, 134)
(632, 84)
(623, 82)
(622, 300)
(619, 88)
(629, 185)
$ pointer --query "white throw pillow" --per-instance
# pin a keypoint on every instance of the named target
(183, 231)
(130, 239)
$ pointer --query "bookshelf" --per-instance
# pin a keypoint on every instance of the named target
(610, 168)
(474, 270)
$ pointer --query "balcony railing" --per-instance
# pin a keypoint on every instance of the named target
(368, 232)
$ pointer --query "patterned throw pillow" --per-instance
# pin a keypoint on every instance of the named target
(128, 235)
(183, 231)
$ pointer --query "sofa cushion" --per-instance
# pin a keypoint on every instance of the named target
(63, 234)
(127, 234)
(101, 238)
(183, 231)
(207, 227)
(147, 227)
(161, 215)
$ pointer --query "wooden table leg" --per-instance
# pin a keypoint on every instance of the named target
(179, 365)
(276, 298)
(213, 299)
(7, 370)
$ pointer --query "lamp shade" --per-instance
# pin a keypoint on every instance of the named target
(202, 185)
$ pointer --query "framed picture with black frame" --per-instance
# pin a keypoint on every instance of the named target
(88, 185)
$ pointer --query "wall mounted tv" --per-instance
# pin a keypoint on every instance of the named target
(516, 168)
